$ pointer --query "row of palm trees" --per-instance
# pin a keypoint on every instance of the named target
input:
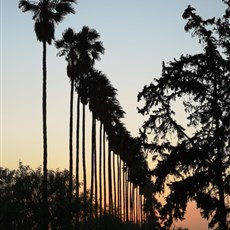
(128, 174)
(81, 50)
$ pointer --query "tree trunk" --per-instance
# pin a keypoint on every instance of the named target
(141, 210)
(100, 170)
(114, 186)
(126, 196)
(92, 169)
(84, 165)
(70, 155)
(104, 171)
(45, 212)
(118, 187)
(95, 168)
(71, 143)
(124, 193)
(77, 156)
(131, 202)
(110, 182)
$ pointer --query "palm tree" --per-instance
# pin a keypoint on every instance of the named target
(81, 50)
(97, 97)
(100, 93)
(106, 108)
(88, 49)
(46, 13)
(67, 48)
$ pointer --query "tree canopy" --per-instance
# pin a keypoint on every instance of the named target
(195, 165)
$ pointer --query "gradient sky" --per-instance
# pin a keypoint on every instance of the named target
(137, 36)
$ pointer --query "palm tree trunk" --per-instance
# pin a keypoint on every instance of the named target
(71, 143)
(45, 215)
(70, 153)
(137, 205)
(77, 155)
(95, 168)
(120, 182)
(84, 164)
(118, 186)
(127, 195)
(100, 170)
(110, 182)
(124, 193)
(130, 202)
(141, 208)
(104, 171)
(92, 168)
(114, 186)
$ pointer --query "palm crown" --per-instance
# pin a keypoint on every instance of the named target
(47, 13)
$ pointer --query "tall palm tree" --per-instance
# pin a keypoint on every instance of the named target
(100, 93)
(106, 108)
(88, 49)
(67, 48)
(81, 50)
(46, 13)
(105, 105)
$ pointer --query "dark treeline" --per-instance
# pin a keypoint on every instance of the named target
(21, 202)
(123, 190)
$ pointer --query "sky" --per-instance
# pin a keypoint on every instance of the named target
(137, 36)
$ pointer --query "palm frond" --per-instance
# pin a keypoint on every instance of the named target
(27, 6)
(64, 8)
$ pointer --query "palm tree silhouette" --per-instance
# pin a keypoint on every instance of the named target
(88, 49)
(46, 13)
(81, 50)
(96, 97)
(67, 46)
(100, 92)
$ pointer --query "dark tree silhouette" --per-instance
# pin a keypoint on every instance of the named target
(81, 50)
(46, 13)
(89, 50)
(67, 46)
(199, 161)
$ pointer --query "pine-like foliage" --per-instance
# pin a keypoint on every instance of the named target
(195, 165)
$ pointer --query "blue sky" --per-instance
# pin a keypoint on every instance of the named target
(137, 36)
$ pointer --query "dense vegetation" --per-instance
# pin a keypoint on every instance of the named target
(21, 202)
(196, 161)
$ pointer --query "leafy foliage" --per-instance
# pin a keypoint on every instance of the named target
(195, 166)
(21, 202)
